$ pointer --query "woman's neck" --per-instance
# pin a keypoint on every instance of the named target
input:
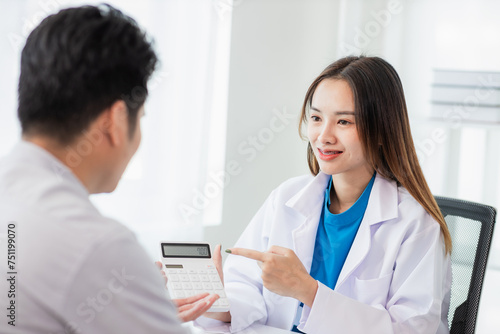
(347, 189)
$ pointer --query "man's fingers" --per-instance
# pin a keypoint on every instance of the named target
(199, 304)
(193, 311)
(249, 253)
(189, 300)
(159, 265)
(186, 307)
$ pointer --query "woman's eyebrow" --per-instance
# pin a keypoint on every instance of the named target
(346, 112)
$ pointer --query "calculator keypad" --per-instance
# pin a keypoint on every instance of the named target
(184, 283)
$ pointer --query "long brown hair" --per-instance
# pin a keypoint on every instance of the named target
(383, 127)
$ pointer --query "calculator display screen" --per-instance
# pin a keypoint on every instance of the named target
(186, 250)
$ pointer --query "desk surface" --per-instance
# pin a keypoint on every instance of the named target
(251, 330)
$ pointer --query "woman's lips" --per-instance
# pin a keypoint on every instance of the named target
(327, 155)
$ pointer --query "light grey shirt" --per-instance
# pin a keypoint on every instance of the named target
(76, 271)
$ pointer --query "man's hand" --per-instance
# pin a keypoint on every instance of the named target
(193, 307)
(160, 266)
(282, 272)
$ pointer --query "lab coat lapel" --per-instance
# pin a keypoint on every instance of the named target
(382, 206)
(308, 203)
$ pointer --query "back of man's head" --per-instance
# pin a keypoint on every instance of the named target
(76, 64)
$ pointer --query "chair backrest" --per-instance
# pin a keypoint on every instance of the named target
(471, 227)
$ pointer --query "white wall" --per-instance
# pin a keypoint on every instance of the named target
(277, 48)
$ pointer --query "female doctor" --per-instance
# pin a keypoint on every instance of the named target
(360, 246)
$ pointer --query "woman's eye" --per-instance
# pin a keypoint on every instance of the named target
(344, 122)
(315, 118)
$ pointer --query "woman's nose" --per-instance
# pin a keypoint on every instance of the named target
(327, 135)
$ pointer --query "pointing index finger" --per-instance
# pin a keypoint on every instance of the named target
(248, 253)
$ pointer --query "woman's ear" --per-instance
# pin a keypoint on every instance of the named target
(114, 123)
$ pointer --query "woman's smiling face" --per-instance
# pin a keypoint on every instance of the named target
(332, 132)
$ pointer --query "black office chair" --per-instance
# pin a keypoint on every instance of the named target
(471, 227)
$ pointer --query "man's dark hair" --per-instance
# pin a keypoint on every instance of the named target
(76, 64)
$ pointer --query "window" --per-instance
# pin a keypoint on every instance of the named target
(185, 124)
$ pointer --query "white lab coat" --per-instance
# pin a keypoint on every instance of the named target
(396, 278)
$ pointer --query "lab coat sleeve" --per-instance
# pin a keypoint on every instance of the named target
(412, 306)
(242, 276)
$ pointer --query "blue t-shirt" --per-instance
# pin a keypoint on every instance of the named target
(334, 239)
(335, 236)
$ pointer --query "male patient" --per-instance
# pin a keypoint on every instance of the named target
(76, 271)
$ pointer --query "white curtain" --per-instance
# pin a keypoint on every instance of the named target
(167, 192)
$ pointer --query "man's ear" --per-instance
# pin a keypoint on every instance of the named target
(114, 123)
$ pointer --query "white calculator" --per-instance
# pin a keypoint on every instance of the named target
(191, 271)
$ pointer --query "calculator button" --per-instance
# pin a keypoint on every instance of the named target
(217, 285)
(196, 280)
(180, 294)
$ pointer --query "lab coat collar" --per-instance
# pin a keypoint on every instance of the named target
(306, 200)
(382, 204)
(308, 203)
